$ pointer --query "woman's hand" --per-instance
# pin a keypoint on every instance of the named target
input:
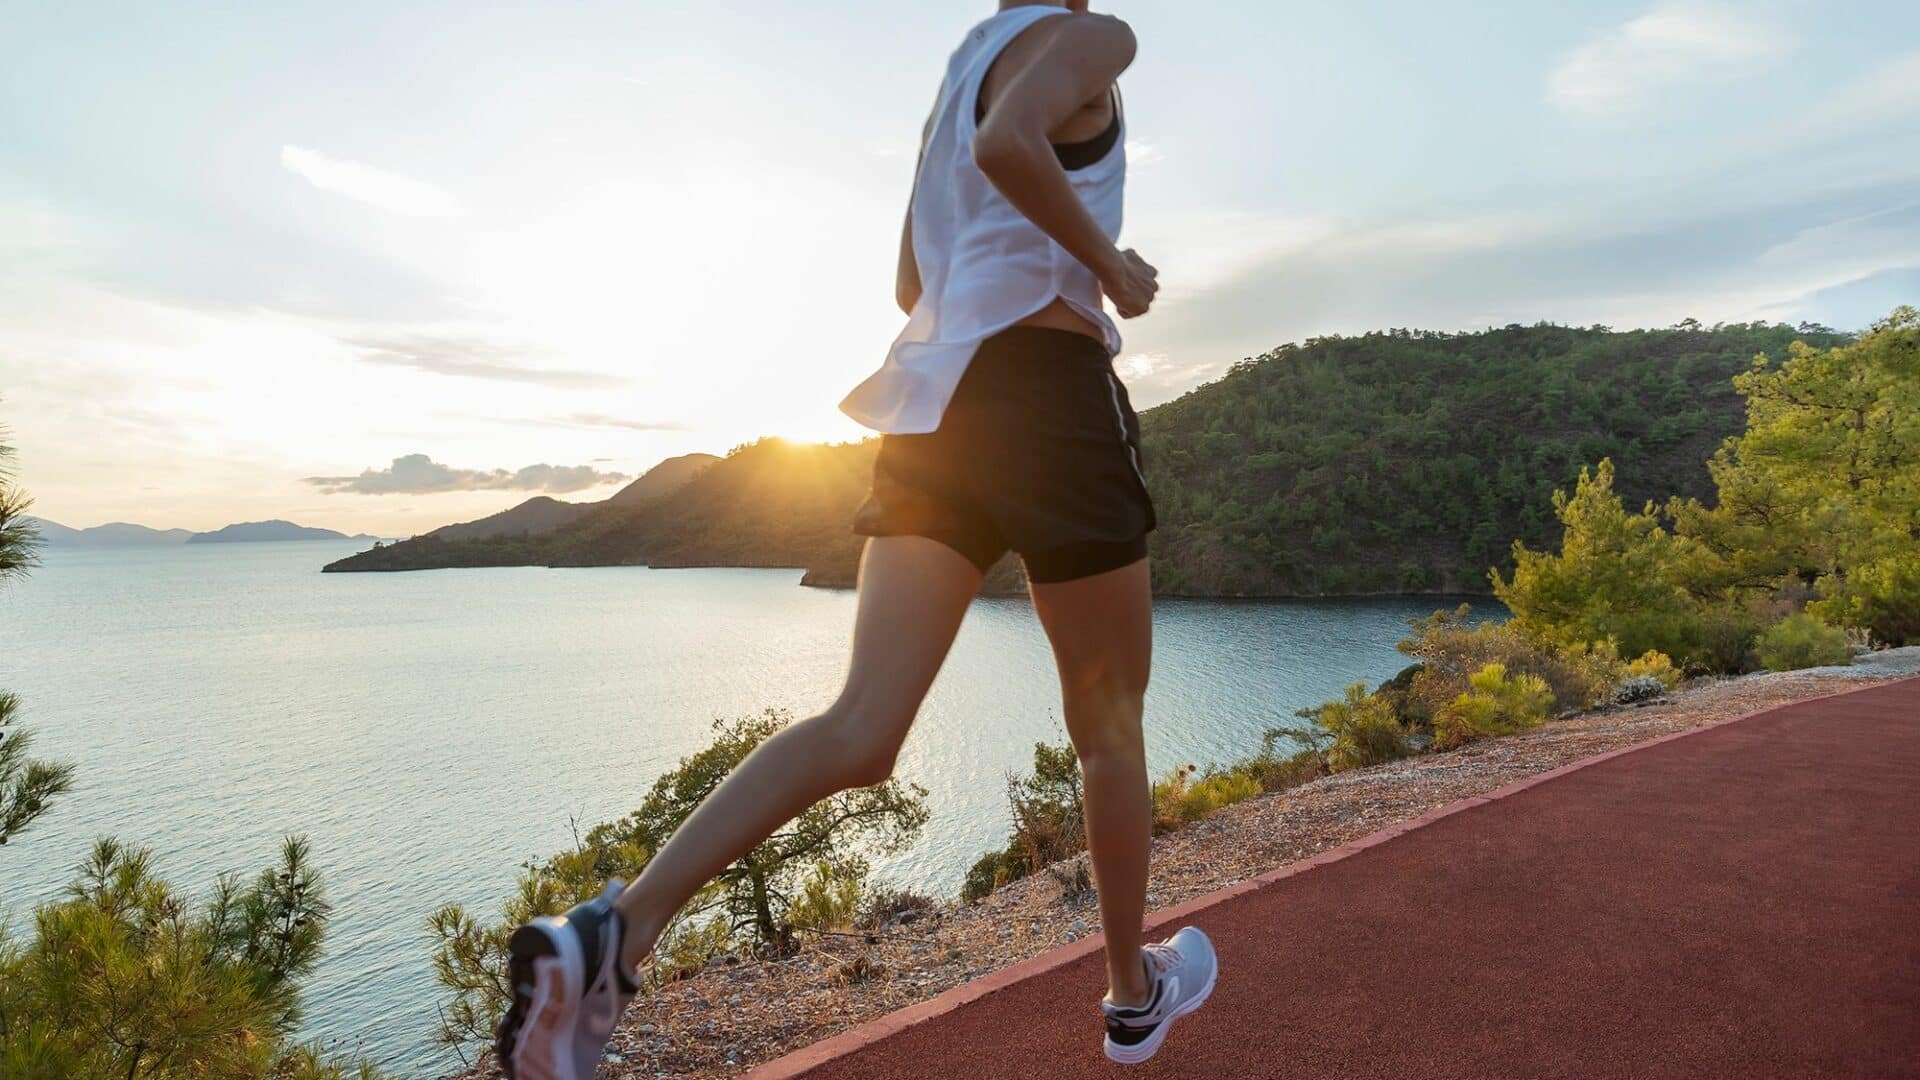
(1131, 283)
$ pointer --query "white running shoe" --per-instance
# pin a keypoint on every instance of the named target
(569, 992)
(1183, 969)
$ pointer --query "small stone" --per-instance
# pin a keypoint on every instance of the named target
(1079, 927)
(734, 1001)
(648, 1029)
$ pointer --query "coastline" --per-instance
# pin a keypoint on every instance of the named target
(1005, 580)
(742, 1012)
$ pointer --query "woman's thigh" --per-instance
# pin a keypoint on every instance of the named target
(914, 592)
(1101, 628)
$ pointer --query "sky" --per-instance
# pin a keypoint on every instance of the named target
(379, 266)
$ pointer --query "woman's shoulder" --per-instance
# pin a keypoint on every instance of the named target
(1106, 36)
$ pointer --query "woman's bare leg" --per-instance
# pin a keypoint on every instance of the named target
(913, 594)
(1101, 628)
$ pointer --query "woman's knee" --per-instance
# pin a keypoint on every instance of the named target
(861, 741)
(1103, 713)
(1105, 687)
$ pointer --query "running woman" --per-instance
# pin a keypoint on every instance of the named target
(1004, 429)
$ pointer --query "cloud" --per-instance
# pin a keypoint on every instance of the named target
(1891, 90)
(893, 147)
(597, 420)
(1140, 365)
(377, 187)
(418, 474)
(601, 420)
(1623, 265)
(1143, 153)
(1675, 44)
(467, 358)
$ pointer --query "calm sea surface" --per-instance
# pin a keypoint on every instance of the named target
(429, 732)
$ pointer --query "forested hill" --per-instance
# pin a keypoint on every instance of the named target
(1400, 461)
(1406, 461)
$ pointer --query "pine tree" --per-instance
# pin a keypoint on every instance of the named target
(27, 785)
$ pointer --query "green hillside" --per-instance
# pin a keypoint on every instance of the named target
(1401, 461)
(1406, 461)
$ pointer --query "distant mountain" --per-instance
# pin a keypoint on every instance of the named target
(541, 514)
(663, 479)
(54, 534)
(537, 515)
(256, 532)
(116, 534)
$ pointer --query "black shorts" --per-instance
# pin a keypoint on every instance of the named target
(1038, 452)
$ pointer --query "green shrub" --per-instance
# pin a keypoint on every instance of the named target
(1882, 598)
(1580, 676)
(1618, 576)
(1803, 641)
(1451, 646)
(1654, 665)
(1275, 770)
(888, 905)
(124, 977)
(1728, 631)
(1048, 822)
(1186, 795)
(830, 897)
(810, 875)
(1496, 704)
(1361, 730)
(1398, 692)
(990, 872)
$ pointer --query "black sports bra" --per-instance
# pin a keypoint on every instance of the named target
(1077, 155)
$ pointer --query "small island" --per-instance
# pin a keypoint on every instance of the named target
(263, 532)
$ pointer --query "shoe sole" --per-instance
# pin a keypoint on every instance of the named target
(548, 976)
(1147, 1047)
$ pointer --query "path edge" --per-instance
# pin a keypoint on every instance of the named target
(799, 1062)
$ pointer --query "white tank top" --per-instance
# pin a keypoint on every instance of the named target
(983, 265)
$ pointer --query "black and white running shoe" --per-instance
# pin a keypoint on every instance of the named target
(1183, 969)
(569, 992)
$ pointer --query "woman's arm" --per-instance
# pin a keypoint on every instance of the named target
(906, 278)
(1080, 58)
(906, 275)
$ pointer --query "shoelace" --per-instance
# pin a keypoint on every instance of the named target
(1160, 958)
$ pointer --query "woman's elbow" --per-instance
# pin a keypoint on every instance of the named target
(997, 152)
(906, 298)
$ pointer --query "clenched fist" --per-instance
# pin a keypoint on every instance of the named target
(1131, 284)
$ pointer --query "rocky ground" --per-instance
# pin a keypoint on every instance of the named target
(740, 1012)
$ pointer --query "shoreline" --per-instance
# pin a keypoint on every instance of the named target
(743, 1012)
(990, 589)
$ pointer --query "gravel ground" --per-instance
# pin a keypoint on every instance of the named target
(741, 1012)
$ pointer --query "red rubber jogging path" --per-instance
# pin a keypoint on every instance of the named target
(1739, 900)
